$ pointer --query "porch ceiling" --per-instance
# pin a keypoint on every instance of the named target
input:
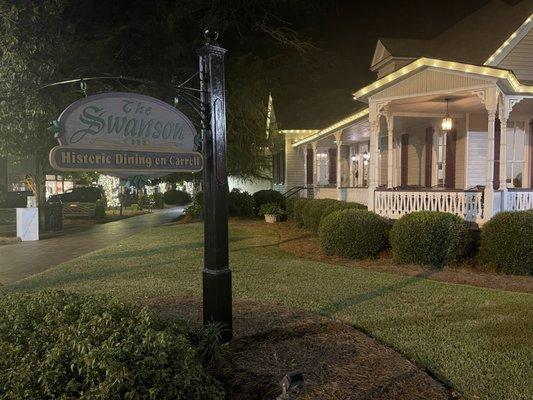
(435, 105)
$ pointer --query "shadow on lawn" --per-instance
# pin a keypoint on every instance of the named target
(273, 244)
(333, 308)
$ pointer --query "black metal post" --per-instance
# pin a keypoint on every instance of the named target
(217, 307)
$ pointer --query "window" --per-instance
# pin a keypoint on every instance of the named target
(441, 159)
(278, 168)
(516, 151)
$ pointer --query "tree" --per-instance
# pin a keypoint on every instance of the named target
(52, 40)
(33, 42)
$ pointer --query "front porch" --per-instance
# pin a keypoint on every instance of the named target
(398, 159)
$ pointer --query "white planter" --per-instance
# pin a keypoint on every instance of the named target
(270, 218)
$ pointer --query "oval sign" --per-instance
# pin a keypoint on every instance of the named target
(126, 120)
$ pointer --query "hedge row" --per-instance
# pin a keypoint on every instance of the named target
(309, 213)
(426, 237)
(240, 203)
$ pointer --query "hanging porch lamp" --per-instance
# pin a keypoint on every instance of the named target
(366, 157)
(447, 123)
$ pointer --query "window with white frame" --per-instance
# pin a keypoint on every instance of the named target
(516, 153)
(441, 158)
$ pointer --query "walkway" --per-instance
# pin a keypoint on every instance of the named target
(20, 260)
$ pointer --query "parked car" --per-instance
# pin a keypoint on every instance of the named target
(84, 194)
(86, 201)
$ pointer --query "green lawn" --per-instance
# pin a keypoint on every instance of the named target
(478, 340)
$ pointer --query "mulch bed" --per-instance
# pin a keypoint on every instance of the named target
(337, 361)
(303, 244)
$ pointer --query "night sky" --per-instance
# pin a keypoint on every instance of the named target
(349, 30)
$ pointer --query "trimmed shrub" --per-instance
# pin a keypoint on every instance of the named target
(58, 345)
(430, 238)
(177, 197)
(158, 199)
(312, 212)
(267, 196)
(341, 205)
(289, 205)
(194, 210)
(507, 243)
(354, 233)
(297, 212)
(240, 204)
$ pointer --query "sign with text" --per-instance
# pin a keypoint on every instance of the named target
(147, 162)
(125, 134)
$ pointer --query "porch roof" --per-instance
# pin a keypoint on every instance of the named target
(359, 115)
(506, 78)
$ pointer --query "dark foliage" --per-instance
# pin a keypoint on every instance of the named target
(268, 196)
(240, 204)
(177, 197)
(58, 345)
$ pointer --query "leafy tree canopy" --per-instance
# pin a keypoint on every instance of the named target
(52, 40)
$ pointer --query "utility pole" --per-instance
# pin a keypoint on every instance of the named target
(217, 298)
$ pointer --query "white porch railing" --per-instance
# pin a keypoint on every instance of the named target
(519, 200)
(397, 203)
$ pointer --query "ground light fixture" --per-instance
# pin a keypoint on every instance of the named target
(447, 122)
(290, 384)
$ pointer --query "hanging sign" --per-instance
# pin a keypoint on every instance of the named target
(125, 134)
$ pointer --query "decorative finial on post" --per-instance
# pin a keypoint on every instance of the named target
(210, 35)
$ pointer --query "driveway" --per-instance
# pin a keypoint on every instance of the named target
(20, 260)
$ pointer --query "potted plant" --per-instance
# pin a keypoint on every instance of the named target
(272, 212)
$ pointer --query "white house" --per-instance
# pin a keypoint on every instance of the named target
(447, 125)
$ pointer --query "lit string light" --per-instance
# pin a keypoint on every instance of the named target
(111, 186)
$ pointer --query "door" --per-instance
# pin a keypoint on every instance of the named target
(404, 159)
(449, 179)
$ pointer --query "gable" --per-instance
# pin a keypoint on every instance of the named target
(429, 81)
(520, 58)
(380, 53)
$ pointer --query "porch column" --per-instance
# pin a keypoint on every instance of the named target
(489, 189)
(315, 163)
(373, 173)
(339, 144)
(390, 150)
(351, 180)
(503, 152)
(305, 166)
